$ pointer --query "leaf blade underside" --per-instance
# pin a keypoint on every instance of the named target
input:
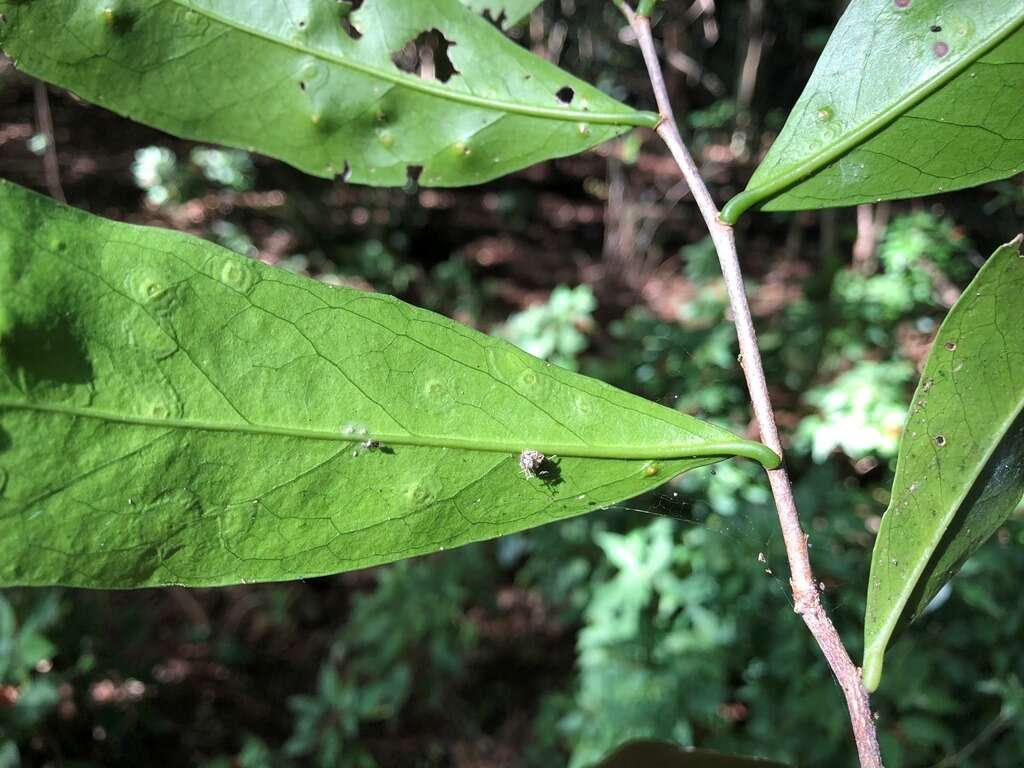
(906, 100)
(960, 468)
(298, 87)
(174, 413)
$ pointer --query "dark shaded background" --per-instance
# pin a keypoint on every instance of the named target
(668, 618)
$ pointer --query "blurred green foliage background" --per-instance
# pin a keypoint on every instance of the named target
(669, 616)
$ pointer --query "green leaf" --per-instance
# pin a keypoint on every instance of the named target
(509, 12)
(960, 469)
(174, 413)
(297, 84)
(651, 753)
(908, 99)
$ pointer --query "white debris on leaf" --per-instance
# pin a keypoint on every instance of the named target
(531, 462)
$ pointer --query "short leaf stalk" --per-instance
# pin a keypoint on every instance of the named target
(806, 595)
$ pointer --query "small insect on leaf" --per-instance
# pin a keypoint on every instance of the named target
(531, 462)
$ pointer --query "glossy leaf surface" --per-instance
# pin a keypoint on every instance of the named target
(314, 83)
(651, 753)
(171, 412)
(960, 470)
(907, 99)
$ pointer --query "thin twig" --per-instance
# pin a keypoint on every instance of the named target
(752, 59)
(44, 124)
(806, 597)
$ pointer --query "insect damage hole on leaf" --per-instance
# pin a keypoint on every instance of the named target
(495, 21)
(565, 94)
(412, 173)
(426, 56)
(348, 7)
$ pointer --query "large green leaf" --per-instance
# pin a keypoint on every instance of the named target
(171, 412)
(960, 471)
(908, 99)
(652, 753)
(295, 83)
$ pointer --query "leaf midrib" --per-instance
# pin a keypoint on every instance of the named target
(437, 90)
(752, 196)
(706, 448)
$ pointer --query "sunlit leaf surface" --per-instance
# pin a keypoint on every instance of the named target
(172, 412)
(319, 85)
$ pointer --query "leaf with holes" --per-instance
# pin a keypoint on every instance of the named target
(319, 85)
(909, 98)
(507, 12)
(174, 413)
(960, 471)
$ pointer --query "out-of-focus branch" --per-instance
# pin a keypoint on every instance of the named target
(806, 596)
(871, 224)
(752, 58)
(693, 70)
(44, 125)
